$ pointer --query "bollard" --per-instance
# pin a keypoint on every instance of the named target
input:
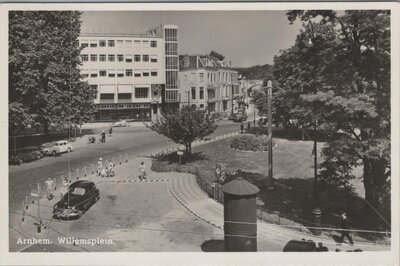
(84, 170)
(23, 210)
(126, 157)
(317, 219)
(92, 169)
(77, 174)
(26, 202)
(120, 159)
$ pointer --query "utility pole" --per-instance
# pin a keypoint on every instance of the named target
(269, 88)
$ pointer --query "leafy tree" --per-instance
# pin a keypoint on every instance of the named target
(45, 85)
(217, 55)
(337, 74)
(255, 72)
(184, 126)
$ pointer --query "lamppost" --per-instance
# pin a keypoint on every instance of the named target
(316, 211)
(269, 92)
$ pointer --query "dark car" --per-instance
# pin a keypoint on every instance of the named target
(80, 197)
(26, 154)
(303, 246)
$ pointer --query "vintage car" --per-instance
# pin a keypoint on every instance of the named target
(26, 154)
(81, 195)
(56, 147)
(121, 123)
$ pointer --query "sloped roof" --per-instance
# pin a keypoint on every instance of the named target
(240, 187)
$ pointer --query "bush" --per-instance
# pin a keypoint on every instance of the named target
(250, 143)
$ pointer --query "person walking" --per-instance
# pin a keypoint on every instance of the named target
(99, 166)
(103, 136)
(110, 168)
(50, 187)
(110, 132)
(142, 171)
(346, 226)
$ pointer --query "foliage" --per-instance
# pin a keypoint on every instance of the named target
(45, 85)
(256, 72)
(338, 74)
(250, 143)
(184, 126)
(217, 55)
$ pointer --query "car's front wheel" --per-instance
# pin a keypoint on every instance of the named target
(69, 149)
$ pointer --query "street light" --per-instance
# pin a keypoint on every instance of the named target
(316, 211)
(269, 91)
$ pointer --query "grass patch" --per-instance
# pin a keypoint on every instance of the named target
(250, 142)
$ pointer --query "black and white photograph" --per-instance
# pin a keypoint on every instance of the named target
(200, 130)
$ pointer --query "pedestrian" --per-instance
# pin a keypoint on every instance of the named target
(110, 131)
(50, 186)
(103, 136)
(241, 127)
(110, 168)
(99, 166)
(142, 171)
(345, 225)
(248, 126)
(103, 172)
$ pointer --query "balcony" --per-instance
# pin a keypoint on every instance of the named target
(106, 101)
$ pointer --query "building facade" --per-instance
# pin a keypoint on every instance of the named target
(208, 83)
(133, 74)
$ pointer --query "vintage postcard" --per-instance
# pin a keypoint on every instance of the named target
(218, 133)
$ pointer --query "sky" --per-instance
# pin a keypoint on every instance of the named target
(245, 38)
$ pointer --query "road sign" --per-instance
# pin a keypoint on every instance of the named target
(34, 195)
(180, 153)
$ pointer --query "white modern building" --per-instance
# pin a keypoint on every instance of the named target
(208, 83)
(134, 74)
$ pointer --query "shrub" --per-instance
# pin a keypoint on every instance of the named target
(250, 143)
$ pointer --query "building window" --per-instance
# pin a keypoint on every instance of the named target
(128, 43)
(93, 44)
(84, 57)
(153, 59)
(111, 73)
(128, 58)
(120, 58)
(193, 92)
(137, 58)
(85, 74)
(84, 44)
(102, 43)
(201, 90)
(93, 57)
(111, 43)
(120, 43)
(154, 73)
(171, 49)
(145, 44)
(141, 93)
(138, 73)
(120, 73)
(146, 73)
(128, 72)
(93, 89)
(93, 73)
(124, 96)
(111, 58)
(136, 43)
(102, 58)
(153, 44)
(103, 73)
(201, 77)
(106, 96)
(145, 58)
(202, 106)
(171, 62)
(171, 35)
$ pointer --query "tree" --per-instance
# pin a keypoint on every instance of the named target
(338, 74)
(217, 55)
(184, 126)
(45, 84)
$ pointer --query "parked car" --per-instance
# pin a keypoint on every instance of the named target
(81, 195)
(300, 246)
(121, 123)
(262, 121)
(57, 147)
(26, 154)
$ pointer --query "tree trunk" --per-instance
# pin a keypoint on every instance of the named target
(45, 128)
(374, 179)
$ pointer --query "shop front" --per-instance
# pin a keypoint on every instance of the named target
(126, 111)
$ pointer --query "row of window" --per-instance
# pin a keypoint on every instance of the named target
(212, 77)
(201, 93)
(119, 58)
(140, 93)
(118, 43)
(120, 73)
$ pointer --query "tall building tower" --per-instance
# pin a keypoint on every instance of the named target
(171, 99)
